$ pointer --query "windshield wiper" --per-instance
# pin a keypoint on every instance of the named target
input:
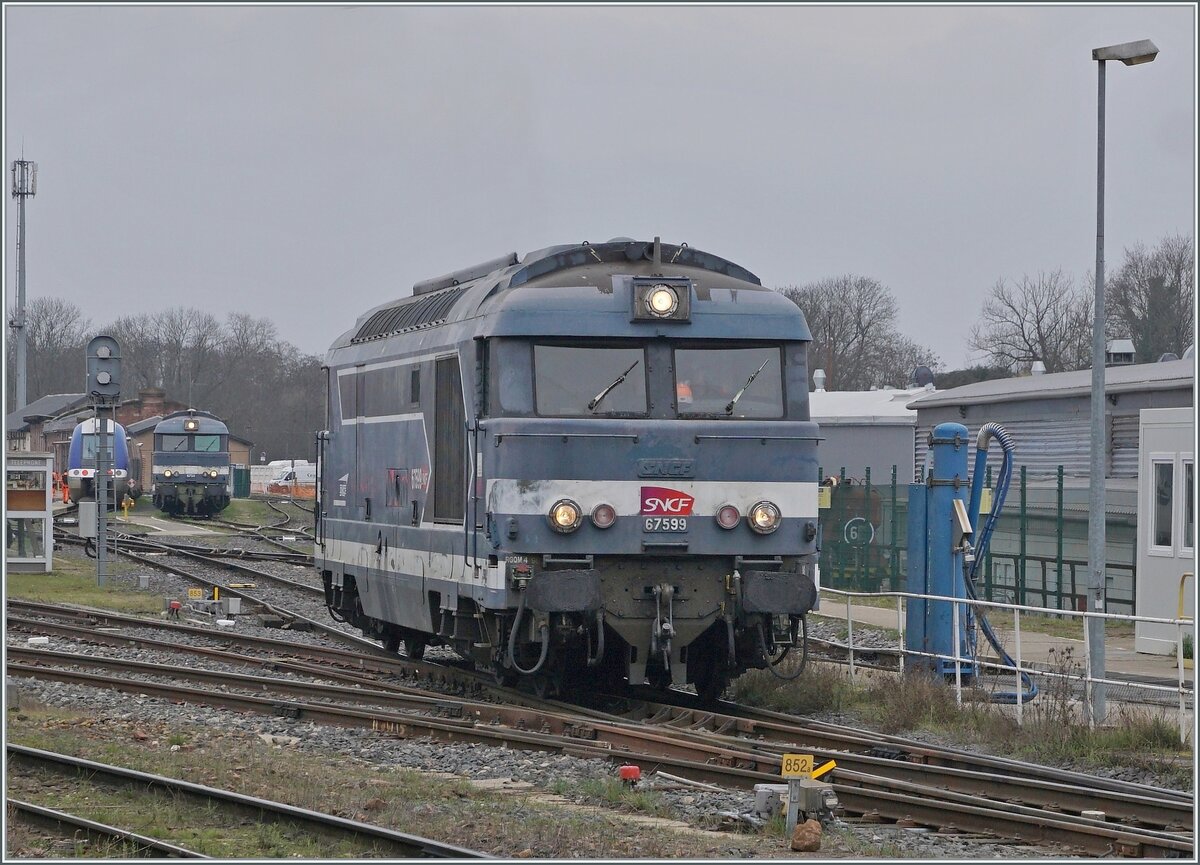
(749, 381)
(595, 401)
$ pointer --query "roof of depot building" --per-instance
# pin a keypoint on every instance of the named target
(884, 407)
(1168, 375)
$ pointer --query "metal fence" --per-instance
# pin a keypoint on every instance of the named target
(1037, 556)
(967, 668)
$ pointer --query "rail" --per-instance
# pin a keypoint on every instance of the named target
(408, 846)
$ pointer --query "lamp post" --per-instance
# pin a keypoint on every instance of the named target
(1131, 54)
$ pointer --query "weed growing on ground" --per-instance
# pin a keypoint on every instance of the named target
(1054, 729)
(820, 688)
(614, 792)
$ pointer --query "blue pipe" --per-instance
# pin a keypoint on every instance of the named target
(984, 538)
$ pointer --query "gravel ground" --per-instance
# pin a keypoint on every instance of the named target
(557, 773)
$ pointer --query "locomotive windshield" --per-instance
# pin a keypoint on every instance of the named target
(174, 443)
(573, 381)
(207, 443)
(88, 443)
(729, 382)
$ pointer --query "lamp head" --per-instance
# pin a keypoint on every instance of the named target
(1129, 53)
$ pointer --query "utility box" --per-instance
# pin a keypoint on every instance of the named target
(29, 512)
(231, 606)
(88, 515)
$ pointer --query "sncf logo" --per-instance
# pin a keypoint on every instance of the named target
(665, 502)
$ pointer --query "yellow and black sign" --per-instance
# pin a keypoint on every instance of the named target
(796, 766)
(195, 594)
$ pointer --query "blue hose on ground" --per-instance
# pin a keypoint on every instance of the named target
(985, 537)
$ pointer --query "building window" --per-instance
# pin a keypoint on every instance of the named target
(25, 538)
(1189, 507)
(1162, 506)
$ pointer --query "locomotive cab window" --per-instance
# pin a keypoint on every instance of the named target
(173, 442)
(589, 381)
(729, 382)
(207, 443)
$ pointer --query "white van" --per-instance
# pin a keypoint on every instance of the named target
(290, 478)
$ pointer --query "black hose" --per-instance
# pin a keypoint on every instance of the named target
(599, 640)
(762, 643)
(544, 632)
(732, 642)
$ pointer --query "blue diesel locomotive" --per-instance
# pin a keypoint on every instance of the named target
(591, 464)
(191, 464)
(81, 461)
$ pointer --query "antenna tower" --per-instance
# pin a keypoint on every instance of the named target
(24, 185)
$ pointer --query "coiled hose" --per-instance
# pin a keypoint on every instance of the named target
(985, 537)
(544, 632)
(797, 627)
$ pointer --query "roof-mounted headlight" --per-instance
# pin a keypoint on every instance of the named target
(662, 300)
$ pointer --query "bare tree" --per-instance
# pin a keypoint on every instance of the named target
(1151, 298)
(1044, 318)
(853, 323)
(55, 362)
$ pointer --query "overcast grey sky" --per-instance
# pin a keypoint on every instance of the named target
(306, 163)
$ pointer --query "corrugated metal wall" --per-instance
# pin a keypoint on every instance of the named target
(1123, 436)
(1044, 445)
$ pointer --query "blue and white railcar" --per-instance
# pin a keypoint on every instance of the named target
(81, 461)
(190, 472)
(593, 463)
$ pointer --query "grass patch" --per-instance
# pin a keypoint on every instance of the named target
(882, 601)
(1054, 731)
(251, 511)
(821, 688)
(73, 581)
(616, 794)
(447, 809)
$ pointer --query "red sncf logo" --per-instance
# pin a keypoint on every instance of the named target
(665, 502)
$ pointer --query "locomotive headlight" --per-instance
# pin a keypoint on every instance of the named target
(565, 516)
(728, 516)
(167, 473)
(213, 473)
(764, 518)
(662, 300)
(603, 516)
(191, 425)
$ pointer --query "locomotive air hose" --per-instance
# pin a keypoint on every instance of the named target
(544, 632)
(762, 643)
(599, 640)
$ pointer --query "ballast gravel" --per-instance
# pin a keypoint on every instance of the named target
(558, 773)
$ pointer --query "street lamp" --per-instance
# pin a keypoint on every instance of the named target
(1131, 54)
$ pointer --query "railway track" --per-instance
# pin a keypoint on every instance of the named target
(915, 783)
(373, 838)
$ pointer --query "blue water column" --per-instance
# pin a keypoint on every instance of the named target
(937, 532)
